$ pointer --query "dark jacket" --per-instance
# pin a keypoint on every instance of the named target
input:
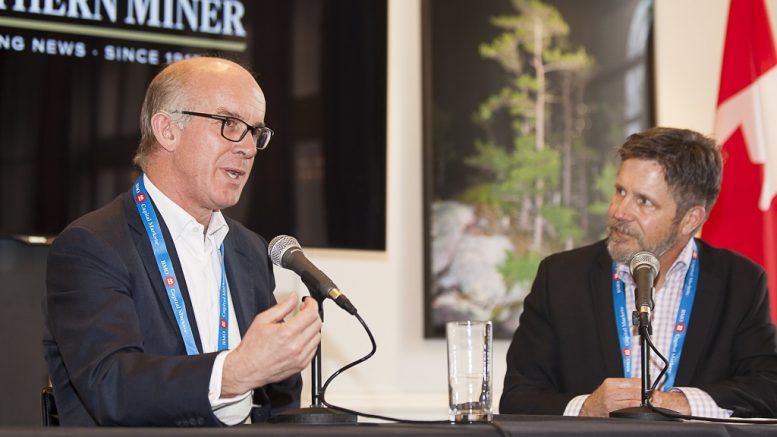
(567, 344)
(113, 347)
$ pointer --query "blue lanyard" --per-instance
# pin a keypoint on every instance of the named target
(683, 319)
(167, 272)
(622, 320)
(223, 306)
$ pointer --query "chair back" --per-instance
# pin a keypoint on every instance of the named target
(48, 407)
(22, 367)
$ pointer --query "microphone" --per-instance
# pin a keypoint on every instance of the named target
(286, 252)
(644, 268)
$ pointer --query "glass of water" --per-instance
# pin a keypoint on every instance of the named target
(469, 371)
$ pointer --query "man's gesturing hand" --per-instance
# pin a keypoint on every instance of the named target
(273, 349)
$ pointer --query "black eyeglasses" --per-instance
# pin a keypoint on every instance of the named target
(235, 129)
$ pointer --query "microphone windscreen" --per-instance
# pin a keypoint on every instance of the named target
(279, 246)
(644, 259)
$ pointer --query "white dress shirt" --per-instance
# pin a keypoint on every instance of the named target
(198, 252)
(667, 303)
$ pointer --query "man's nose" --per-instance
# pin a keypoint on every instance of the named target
(620, 208)
(246, 147)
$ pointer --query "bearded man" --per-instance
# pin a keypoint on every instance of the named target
(711, 305)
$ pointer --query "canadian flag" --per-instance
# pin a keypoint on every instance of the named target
(744, 218)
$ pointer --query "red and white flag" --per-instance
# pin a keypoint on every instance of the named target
(744, 218)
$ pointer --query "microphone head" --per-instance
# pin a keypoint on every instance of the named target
(644, 259)
(279, 246)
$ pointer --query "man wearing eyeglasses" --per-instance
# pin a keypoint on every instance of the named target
(159, 309)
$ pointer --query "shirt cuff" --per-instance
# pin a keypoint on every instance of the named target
(702, 404)
(575, 405)
(231, 411)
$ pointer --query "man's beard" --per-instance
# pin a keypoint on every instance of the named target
(620, 253)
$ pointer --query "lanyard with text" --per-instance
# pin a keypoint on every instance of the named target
(166, 270)
(622, 320)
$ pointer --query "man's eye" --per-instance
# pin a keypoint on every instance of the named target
(230, 122)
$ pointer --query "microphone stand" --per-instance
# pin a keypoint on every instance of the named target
(644, 411)
(317, 413)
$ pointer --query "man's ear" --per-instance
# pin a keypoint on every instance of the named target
(165, 130)
(693, 219)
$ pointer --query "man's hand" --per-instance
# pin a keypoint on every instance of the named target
(613, 394)
(675, 401)
(273, 349)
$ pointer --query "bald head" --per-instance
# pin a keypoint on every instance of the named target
(174, 88)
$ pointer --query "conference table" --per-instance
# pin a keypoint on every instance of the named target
(503, 425)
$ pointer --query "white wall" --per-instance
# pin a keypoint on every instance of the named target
(689, 36)
(407, 376)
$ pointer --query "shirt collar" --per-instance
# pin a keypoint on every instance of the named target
(178, 220)
(680, 264)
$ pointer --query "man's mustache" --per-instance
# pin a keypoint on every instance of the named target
(622, 227)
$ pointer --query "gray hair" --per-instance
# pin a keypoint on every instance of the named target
(166, 91)
(692, 163)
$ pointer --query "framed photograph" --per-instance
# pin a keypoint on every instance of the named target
(525, 102)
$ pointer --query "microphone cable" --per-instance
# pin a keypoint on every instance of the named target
(668, 413)
(492, 424)
(358, 361)
(644, 331)
(496, 426)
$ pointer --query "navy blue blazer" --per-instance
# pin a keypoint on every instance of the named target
(113, 347)
(567, 343)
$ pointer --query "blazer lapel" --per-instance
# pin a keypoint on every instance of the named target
(601, 298)
(146, 253)
(241, 282)
(709, 292)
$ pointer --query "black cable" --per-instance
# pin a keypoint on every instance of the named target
(499, 428)
(360, 360)
(644, 331)
(668, 413)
